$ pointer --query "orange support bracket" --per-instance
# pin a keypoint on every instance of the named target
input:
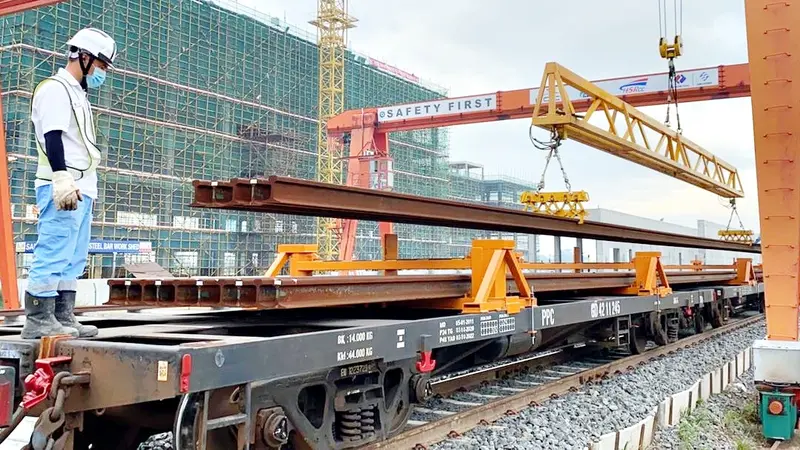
(304, 260)
(651, 279)
(490, 261)
(292, 254)
(745, 272)
(391, 251)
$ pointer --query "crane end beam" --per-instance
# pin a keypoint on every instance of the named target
(616, 127)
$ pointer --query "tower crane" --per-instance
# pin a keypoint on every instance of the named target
(332, 23)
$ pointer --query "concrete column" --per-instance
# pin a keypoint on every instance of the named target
(557, 248)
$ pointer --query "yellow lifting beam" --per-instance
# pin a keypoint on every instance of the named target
(561, 204)
(741, 236)
(639, 138)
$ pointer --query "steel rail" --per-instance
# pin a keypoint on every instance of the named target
(324, 291)
(461, 422)
(450, 384)
(309, 198)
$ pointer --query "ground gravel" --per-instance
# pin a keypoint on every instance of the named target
(725, 421)
(576, 419)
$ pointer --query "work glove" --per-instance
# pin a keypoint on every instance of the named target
(65, 193)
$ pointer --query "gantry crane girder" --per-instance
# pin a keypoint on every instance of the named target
(670, 153)
(709, 83)
(624, 131)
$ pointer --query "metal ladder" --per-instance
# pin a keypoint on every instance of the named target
(622, 331)
(243, 434)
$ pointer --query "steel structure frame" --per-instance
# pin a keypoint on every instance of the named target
(368, 129)
(672, 154)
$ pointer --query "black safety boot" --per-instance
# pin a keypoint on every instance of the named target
(40, 319)
(65, 307)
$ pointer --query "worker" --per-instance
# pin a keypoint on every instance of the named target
(66, 185)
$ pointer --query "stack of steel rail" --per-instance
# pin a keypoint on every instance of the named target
(292, 196)
(306, 292)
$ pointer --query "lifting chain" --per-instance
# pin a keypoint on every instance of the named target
(552, 150)
(734, 211)
(670, 52)
(672, 95)
(52, 419)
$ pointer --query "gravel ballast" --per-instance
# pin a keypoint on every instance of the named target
(578, 418)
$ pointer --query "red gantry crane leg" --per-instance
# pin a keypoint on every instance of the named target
(773, 46)
(369, 166)
(8, 266)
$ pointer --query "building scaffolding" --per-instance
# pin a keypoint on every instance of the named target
(182, 106)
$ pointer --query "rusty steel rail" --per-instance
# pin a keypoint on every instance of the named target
(325, 291)
(300, 197)
(461, 422)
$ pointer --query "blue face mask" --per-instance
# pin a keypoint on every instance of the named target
(96, 79)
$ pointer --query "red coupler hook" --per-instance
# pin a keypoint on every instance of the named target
(38, 384)
(426, 364)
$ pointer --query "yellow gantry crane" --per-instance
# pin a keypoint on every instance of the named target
(332, 23)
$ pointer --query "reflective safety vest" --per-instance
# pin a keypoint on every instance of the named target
(82, 113)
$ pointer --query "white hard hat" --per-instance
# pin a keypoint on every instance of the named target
(95, 42)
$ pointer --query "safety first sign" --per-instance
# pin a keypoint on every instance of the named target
(437, 108)
(644, 84)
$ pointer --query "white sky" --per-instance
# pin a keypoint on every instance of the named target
(475, 47)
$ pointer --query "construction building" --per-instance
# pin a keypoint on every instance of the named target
(203, 90)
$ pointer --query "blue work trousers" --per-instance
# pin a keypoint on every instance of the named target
(62, 245)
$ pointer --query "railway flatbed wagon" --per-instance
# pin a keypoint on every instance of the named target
(318, 377)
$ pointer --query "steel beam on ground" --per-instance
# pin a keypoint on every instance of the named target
(300, 197)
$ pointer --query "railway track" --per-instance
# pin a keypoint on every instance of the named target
(467, 400)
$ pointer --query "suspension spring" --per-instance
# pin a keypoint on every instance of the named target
(356, 424)
(672, 330)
